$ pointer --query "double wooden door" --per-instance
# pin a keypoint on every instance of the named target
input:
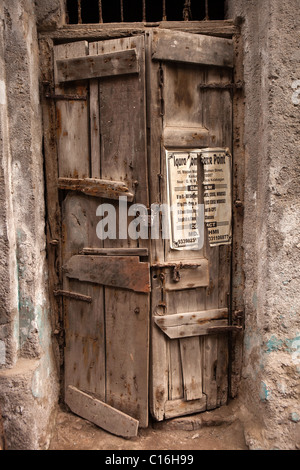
(139, 315)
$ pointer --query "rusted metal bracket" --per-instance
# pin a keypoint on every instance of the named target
(238, 317)
(222, 86)
(48, 93)
(52, 96)
(176, 265)
(72, 295)
(224, 329)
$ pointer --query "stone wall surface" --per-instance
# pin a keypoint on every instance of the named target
(25, 336)
(271, 368)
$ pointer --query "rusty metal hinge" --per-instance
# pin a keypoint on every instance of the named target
(223, 86)
(238, 318)
(161, 90)
(224, 329)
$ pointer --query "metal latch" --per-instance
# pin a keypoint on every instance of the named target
(223, 86)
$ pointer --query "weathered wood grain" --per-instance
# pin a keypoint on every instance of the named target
(97, 66)
(126, 272)
(188, 278)
(190, 318)
(100, 413)
(191, 367)
(186, 137)
(72, 120)
(182, 407)
(194, 49)
(96, 187)
(127, 352)
(95, 122)
(84, 356)
(185, 331)
(221, 28)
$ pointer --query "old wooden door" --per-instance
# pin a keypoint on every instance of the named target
(101, 132)
(120, 104)
(191, 108)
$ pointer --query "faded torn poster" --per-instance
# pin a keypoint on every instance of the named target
(186, 217)
(217, 195)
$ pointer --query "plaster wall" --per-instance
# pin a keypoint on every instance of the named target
(270, 379)
(28, 387)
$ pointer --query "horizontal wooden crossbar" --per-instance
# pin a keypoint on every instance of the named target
(104, 65)
(96, 187)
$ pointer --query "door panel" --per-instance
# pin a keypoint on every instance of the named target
(189, 363)
(101, 150)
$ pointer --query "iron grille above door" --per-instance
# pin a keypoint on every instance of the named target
(115, 11)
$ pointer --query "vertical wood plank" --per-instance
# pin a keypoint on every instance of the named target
(175, 371)
(159, 355)
(84, 351)
(155, 150)
(217, 118)
(123, 122)
(72, 120)
(94, 120)
(185, 361)
(127, 346)
(52, 198)
(211, 103)
(191, 367)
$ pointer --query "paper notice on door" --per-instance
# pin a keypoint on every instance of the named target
(186, 216)
(217, 195)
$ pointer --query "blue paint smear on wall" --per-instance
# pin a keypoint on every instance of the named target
(264, 392)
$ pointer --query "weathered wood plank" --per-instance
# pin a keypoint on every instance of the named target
(159, 373)
(84, 339)
(190, 350)
(95, 120)
(127, 352)
(190, 318)
(182, 407)
(175, 371)
(97, 66)
(126, 272)
(72, 120)
(53, 225)
(189, 278)
(96, 187)
(155, 150)
(73, 295)
(100, 413)
(116, 251)
(184, 331)
(221, 28)
(186, 137)
(220, 125)
(123, 123)
(179, 47)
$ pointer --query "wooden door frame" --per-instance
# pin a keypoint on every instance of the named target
(69, 33)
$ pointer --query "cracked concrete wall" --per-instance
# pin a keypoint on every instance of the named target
(24, 312)
(271, 368)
